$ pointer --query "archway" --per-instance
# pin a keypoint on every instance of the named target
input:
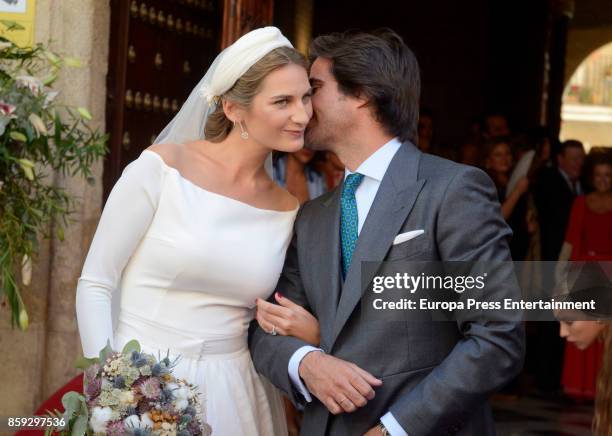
(587, 101)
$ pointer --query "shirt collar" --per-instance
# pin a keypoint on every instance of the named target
(376, 165)
(564, 174)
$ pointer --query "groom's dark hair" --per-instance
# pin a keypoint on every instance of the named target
(379, 66)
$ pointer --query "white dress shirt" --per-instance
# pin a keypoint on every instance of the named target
(374, 169)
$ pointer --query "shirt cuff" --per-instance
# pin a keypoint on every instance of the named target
(392, 426)
(294, 373)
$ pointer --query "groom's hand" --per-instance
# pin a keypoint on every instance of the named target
(342, 386)
(374, 431)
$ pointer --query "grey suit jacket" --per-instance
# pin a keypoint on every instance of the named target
(437, 376)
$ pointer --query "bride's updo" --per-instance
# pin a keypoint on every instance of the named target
(218, 126)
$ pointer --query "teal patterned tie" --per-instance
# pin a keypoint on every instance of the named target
(349, 221)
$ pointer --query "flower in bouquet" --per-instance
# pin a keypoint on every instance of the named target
(100, 416)
(7, 113)
(133, 393)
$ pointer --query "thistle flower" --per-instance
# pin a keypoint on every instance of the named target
(156, 370)
(141, 361)
(166, 396)
(119, 382)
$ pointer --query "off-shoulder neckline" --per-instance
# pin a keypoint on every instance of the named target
(216, 194)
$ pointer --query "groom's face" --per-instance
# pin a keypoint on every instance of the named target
(331, 109)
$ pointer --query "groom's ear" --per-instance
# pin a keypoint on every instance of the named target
(361, 101)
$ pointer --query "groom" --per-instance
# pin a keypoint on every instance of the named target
(423, 378)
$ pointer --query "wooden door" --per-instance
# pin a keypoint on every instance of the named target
(159, 50)
(242, 16)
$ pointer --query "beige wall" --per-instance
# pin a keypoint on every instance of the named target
(40, 360)
(581, 43)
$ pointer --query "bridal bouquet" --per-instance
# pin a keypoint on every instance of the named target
(132, 393)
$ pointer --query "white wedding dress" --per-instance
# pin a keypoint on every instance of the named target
(188, 264)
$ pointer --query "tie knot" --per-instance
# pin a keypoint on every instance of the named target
(351, 183)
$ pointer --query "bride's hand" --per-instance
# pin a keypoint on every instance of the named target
(288, 319)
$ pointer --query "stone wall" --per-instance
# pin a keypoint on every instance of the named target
(581, 42)
(39, 361)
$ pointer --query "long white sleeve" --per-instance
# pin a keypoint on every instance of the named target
(124, 221)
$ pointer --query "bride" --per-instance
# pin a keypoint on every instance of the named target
(195, 231)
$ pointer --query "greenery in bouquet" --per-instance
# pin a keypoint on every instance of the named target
(132, 393)
(39, 138)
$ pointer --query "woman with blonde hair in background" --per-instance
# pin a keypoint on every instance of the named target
(584, 334)
(588, 239)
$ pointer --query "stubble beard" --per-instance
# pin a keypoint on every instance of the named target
(318, 138)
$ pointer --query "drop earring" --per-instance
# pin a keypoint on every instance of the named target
(244, 134)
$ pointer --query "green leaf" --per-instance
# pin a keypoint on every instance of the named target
(105, 352)
(84, 113)
(18, 136)
(64, 145)
(80, 426)
(72, 403)
(72, 62)
(24, 320)
(30, 132)
(26, 166)
(132, 345)
(85, 362)
(37, 123)
(49, 79)
(26, 162)
(52, 57)
(60, 233)
(39, 213)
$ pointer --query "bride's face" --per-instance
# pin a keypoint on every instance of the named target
(281, 110)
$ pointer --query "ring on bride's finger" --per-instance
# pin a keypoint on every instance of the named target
(342, 401)
(273, 332)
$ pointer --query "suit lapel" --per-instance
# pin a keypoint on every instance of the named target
(329, 261)
(394, 200)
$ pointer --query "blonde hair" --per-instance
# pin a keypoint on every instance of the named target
(218, 126)
(602, 422)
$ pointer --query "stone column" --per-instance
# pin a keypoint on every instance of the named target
(40, 360)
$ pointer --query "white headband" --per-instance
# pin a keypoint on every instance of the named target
(239, 57)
